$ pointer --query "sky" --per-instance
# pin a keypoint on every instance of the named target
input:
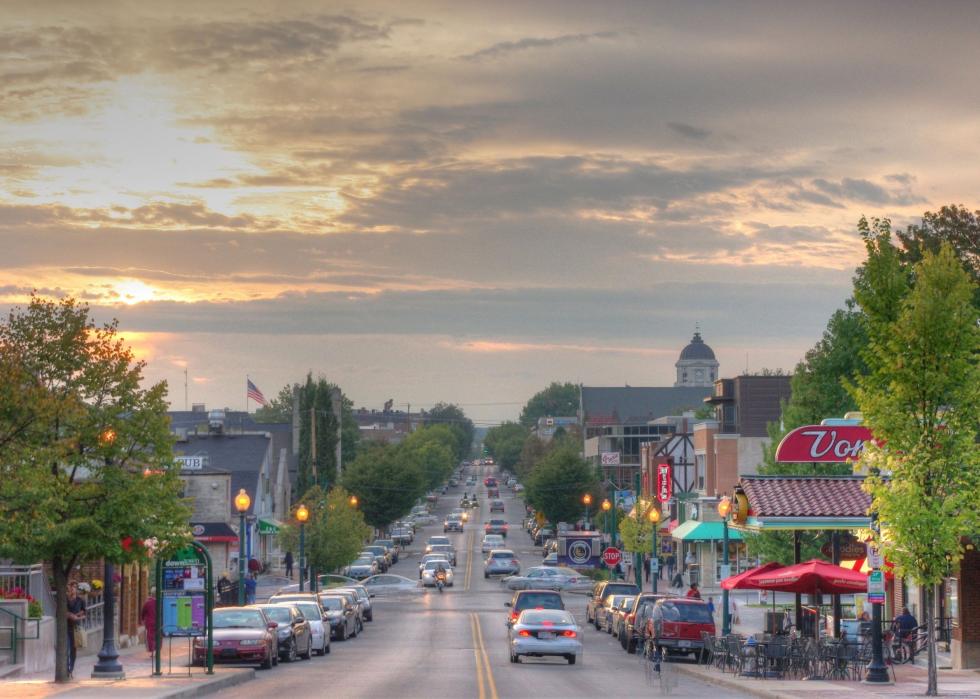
(465, 201)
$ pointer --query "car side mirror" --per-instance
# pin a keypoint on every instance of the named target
(507, 604)
(273, 625)
(298, 620)
(371, 595)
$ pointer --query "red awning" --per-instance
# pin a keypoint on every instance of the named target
(812, 577)
(744, 581)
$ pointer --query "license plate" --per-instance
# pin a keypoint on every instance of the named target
(684, 644)
(545, 634)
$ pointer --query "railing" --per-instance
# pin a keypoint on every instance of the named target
(13, 635)
(29, 578)
(94, 613)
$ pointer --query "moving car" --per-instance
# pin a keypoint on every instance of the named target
(438, 556)
(463, 514)
(491, 542)
(544, 632)
(532, 599)
(493, 493)
(433, 540)
(429, 573)
(241, 635)
(676, 625)
(497, 506)
(448, 549)
(293, 632)
(496, 526)
(501, 562)
(453, 523)
(341, 615)
(548, 578)
(490, 482)
(389, 585)
(600, 591)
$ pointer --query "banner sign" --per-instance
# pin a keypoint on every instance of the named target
(579, 549)
(665, 482)
(610, 458)
(829, 444)
(184, 594)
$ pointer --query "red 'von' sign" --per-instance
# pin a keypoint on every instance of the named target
(823, 443)
(665, 482)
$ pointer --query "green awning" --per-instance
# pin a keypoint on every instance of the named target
(693, 530)
(269, 526)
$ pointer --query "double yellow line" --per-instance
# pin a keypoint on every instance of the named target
(485, 685)
(470, 538)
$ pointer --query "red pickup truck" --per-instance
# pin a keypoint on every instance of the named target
(676, 625)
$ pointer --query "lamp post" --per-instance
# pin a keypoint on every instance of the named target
(302, 514)
(653, 515)
(724, 509)
(587, 500)
(877, 670)
(242, 502)
(606, 506)
(108, 666)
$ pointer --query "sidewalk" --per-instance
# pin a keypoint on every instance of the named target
(911, 681)
(139, 681)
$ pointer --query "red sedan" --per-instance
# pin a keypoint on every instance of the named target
(241, 635)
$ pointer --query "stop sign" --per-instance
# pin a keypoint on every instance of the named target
(611, 556)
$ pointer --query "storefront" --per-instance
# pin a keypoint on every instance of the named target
(706, 541)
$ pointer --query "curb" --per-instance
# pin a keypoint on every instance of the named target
(725, 683)
(211, 686)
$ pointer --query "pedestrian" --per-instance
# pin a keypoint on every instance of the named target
(226, 590)
(289, 564)
(711, 606)
(660, 567)
(148, 617)
(733, 610)
(689, 560)
(250, 588)
(693, 592)
(671, 564)
(254, 566)
(76, 615)
(678, 581)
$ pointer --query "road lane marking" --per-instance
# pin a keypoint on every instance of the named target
(476, 658)
(469, 561)
(480, 651)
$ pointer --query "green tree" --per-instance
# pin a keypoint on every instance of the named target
(386, 484)
(558, 483)
(921, 400)
(432, 450)
(278, 409)
(316, 414)
(505, 443)
(335, 532)
(955, 225)
(533, 450)
(462, 426)
(558, 400)
(86, 460)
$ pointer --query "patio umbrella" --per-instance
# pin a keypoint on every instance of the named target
(812, 577)
(744, 580)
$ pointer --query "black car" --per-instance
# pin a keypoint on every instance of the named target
(532, 599)
(293, 631)
(600, 591)
(633, 633)
(342, 616)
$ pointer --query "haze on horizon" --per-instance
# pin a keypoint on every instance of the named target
(459, 201)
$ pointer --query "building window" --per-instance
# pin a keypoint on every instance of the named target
(700, 466)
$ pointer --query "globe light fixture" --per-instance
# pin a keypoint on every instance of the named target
(353, 501)
(606, 505)
(725, 507)
(302, 514)
(242, 501)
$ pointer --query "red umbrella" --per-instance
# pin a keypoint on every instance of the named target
(812, 577)
(744, 581)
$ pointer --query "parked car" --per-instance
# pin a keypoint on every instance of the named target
(532, 599)
(390, 585)
(548, 578)
(241, 635)
(676, 625)
(363, 600)
(491, 542)
(429, 573)
(293, 632)
(611, 609)
(393, 549)
(402, 536)
(497, 506)
(501, 562)
(452, 524)
(600, 591)
(551, 559)
(341, 615)
(380, 557)
(363, 567)
(544, 632)
(351, 597)
(319, 628)
(542, 535)
(633, 632)
(496, 526)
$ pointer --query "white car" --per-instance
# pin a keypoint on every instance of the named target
(388, 584)
(432, 557)
(429, 573)
(491, 542)
(544, 632)
(313, 613)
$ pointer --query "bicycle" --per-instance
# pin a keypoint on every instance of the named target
(907, 647)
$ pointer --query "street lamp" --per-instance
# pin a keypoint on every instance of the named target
(653, 515)
(353, 500)
(587, 500)
(724, 510)
(606, 506)
(302, 514)
(242, 502)
(108, 666)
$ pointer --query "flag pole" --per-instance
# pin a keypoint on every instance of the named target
(246, 394)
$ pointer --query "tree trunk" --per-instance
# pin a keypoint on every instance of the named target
(932, 688)
(60, 620)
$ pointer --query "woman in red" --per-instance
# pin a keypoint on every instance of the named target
(148, 616)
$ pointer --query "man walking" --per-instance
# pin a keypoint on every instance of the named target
(288, 560)
(76, 615)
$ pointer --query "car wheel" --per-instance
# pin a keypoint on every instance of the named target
(326, 648)
(275, 658)
(486, 576)
(342, 634)
(291, 653)
(308, 655)
(267, 663)
(571, 659)
(370, 616)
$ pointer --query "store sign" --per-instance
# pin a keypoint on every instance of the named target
(665, 482)
(831, 444)
(610, 458)
(192, 463)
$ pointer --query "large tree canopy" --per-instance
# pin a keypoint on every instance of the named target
(454, 417)
(505, 443)
(335, 532)
(557, 400)
(558, 483)
(386, 483)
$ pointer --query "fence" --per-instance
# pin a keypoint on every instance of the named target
(30, 578)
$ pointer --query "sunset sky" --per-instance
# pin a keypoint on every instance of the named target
(464, 201)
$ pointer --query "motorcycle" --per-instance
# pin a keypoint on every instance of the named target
(440, 580)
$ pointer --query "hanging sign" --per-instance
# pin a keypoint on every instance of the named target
(876, 587)
(665, 482)
(823, 443)
(610, 458)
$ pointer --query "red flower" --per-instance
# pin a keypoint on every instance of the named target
(127, 543)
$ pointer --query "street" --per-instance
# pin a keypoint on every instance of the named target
(454, 644)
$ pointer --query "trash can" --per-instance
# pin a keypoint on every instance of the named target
(774, 622)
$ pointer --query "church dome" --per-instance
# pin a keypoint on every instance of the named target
(697, 349)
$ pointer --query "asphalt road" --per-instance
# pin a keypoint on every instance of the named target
(454, 644)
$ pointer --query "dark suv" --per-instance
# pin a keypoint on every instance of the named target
(532, 599)
(496, 526)
(633, 632)
(600, 591)
(676, 624)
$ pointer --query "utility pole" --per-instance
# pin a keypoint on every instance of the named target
(313, 442)
(337, 402)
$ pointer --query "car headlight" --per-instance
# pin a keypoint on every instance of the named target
(251, 642)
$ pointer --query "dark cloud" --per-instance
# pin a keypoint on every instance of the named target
(504, 48)
(688, 131)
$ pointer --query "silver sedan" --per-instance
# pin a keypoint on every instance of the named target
(544, 632)
(429, 573)
(548, 578)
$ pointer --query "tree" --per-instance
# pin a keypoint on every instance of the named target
(921, 400)
(432, 450)
(559, 481)
(86, 460)
(533, 450)
(462, 426)
(385, 483)
(335, 532)
(278, 409)
(505, 443)
(955, 225)
(558, 400)
(316, 413)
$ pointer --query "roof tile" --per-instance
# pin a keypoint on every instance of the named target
(803, 496)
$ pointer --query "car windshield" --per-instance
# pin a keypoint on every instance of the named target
(545, 600)
(309, 610)
(498, 522)
(696, 613)
(364, 561)
(502, 554)
(239, 619)
(280, 614)
(540, 616)
(438, 540)
(432, 565)
(620, 589)
(334, 604)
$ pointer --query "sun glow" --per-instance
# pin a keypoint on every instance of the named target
(133, 291)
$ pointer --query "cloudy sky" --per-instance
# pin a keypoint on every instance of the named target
(464, 201)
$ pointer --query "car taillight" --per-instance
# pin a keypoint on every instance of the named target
(513, 616)
(568, 634)
(524, 633)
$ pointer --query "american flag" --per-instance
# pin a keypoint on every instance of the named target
(254, 393)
